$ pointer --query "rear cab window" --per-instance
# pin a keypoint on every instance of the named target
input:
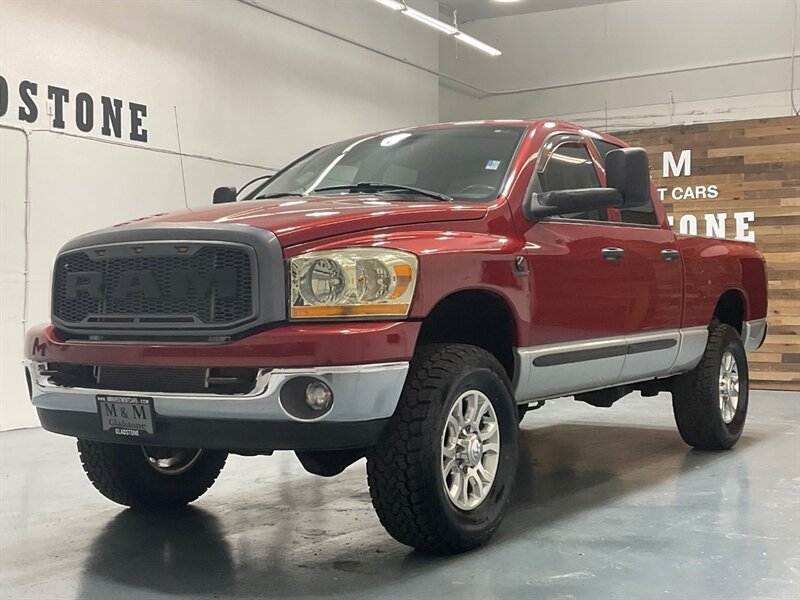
(640, 215)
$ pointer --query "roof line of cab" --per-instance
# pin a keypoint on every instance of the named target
(530, 123)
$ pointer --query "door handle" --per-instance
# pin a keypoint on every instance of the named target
(613, 253)
(670, 255)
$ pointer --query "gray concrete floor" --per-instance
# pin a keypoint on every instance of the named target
(609, 503)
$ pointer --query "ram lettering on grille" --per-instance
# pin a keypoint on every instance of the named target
(213, 285)
(181, 284)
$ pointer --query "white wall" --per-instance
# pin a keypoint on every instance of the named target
(250, 88)
(622, 39)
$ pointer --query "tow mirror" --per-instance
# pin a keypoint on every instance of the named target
(564, 202)
(223, 195)
(628, 170)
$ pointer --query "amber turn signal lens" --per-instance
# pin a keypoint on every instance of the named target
(351, 310)
(404, 276)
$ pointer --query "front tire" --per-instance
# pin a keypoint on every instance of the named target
(440, 478)
(150, 478)
(710, 402)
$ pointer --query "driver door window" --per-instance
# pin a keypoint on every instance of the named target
(570, 167)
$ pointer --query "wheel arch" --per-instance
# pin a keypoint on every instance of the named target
(731, 308)
(474, 316)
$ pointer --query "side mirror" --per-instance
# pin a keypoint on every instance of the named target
(564, 202)
(628, 170)
(223, 195)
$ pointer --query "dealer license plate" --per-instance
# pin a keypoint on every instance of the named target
(128, 416)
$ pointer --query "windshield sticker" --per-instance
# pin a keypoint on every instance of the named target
(492, 165)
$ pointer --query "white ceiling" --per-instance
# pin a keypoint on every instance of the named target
(473, 10)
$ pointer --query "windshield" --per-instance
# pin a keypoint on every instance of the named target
(463, 162)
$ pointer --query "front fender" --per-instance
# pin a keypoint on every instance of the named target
(453, 261)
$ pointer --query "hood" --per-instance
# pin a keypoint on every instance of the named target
(300, 220)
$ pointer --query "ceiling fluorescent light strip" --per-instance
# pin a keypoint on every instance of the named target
(428, 20)
(393, 4)
(440, 25)
(475, 43)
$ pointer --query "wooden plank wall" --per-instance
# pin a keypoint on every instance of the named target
(756, 166)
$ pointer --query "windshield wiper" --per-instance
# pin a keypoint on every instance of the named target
(371, 186)
(278, 195)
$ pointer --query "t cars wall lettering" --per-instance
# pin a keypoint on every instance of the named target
(714, 223)
(755, 167)
(30, 102)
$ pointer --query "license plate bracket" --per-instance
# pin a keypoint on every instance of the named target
(126, 416)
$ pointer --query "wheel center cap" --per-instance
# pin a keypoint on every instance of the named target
(474, 451)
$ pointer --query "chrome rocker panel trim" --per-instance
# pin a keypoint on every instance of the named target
(564, 369)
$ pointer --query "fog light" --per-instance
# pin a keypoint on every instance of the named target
(318, 396)
(306, 398)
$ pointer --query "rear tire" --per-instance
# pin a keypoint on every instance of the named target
(710, 402)
(440, 478)
(150, 478)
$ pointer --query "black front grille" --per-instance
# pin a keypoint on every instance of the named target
(144, 379)
(163, 301)
(180, 380)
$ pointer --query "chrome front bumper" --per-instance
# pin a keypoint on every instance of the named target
(360, 393)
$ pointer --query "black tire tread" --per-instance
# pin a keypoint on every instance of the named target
(397, 482)
(694, 396)
(98, 464)
(106, 466)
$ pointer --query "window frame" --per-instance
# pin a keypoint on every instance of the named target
(549, 145)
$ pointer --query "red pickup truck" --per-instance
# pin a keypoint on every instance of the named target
(405, 297)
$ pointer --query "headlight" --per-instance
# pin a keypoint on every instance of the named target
(355, 282)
